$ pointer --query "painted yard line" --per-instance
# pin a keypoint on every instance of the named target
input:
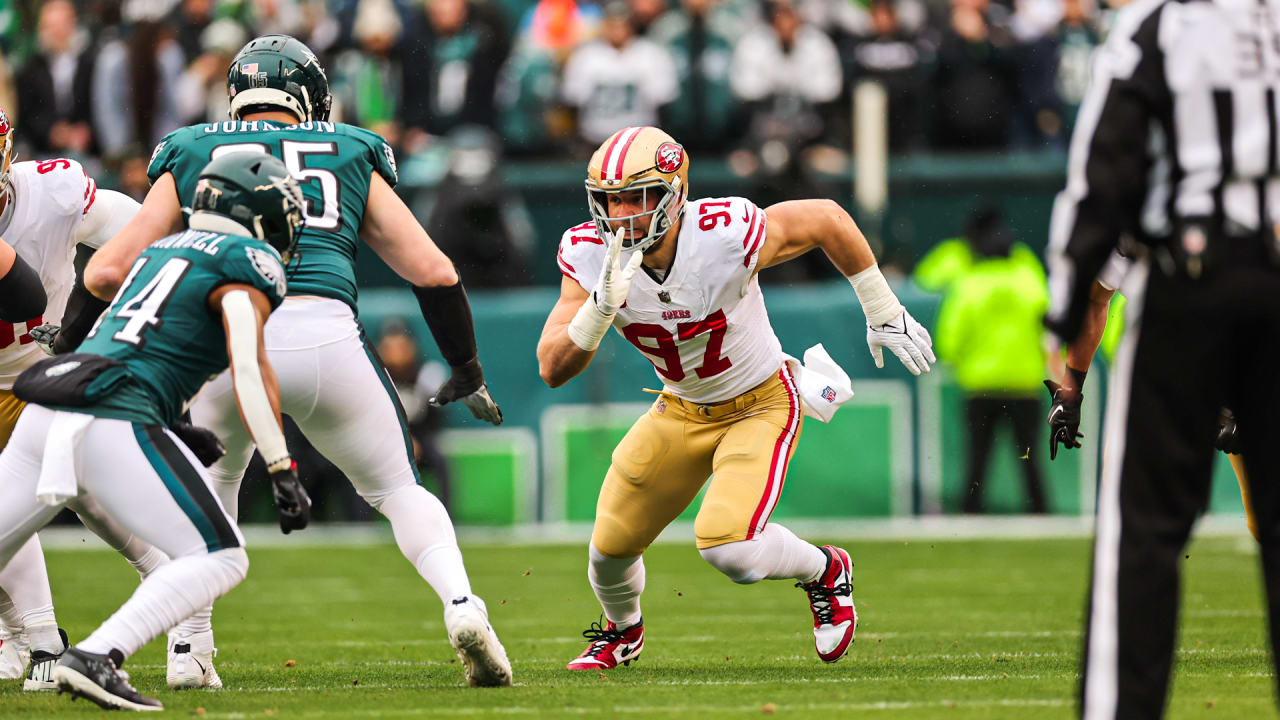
(634, 709)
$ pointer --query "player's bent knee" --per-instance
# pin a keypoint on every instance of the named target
(718, 524)
(739, 561)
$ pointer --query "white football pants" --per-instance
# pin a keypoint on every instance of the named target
(144, 479)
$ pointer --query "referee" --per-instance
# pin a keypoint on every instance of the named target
(1175, 148)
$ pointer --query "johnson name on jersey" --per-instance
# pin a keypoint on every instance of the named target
(48, 201)
(704, 326)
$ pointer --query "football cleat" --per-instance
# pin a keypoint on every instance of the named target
(14, 656)
(478, 647)
(191, 662)
(610, 647)
(40, 671)
(835, 619)
(96, 678)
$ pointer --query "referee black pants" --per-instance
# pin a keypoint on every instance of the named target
(1190, 349)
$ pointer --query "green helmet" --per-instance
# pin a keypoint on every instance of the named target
(255, 191)
(278, 72)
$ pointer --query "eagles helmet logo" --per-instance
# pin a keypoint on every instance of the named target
(669, 157)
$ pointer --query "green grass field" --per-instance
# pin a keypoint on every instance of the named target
(962, 629)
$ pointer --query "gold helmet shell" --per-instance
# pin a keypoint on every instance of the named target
(639, 159)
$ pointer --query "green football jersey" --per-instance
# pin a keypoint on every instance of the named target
(332, 162)
(160, 325)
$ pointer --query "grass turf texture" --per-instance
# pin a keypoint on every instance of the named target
(964, 629)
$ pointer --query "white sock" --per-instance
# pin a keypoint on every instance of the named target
(441, 566)
(141, 555)
(170, 594)
(200, 621)
(618, 583)
(425, 535)
(29, 607)
(774, 554)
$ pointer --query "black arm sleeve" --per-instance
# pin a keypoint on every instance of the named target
(22, 295)
(1107, 176)
(83, 308)
(448, 315)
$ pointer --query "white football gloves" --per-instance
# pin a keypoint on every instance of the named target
(596, 315)
(905, 338)
(889, 325)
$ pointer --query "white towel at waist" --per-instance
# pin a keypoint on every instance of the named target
(823, 385)
(58, 479)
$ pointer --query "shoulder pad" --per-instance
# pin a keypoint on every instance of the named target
(580, 253)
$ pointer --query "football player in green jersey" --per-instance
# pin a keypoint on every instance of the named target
(331, 382)
(96, 426)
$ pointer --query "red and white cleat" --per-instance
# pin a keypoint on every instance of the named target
(831, 599)
(610, 647)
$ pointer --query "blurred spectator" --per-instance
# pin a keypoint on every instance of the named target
(974, 84)
(54, 87)
(1077, 37)
(891, 55)
(135, 85)
(644, 13)
(1038, 114)
(787, 71)
(989, 329)
(366, 80)
(415, 384)
(191, 18)
(618, 80)
(482, 225)
(700, 40)
(202, 89)
(451, 59)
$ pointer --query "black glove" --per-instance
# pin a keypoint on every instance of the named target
(466, 383)
(206, 446)
(1227, 440)
(1064, 418)
(293, 505)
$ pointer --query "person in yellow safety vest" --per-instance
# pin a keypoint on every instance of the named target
(989, 329)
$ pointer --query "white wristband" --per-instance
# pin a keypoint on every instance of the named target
(879, 303)
(589, 326)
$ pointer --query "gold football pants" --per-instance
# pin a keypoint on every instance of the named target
(744, 444)
(10, 409)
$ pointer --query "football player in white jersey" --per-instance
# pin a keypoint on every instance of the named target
(47, 209)
(731, 407)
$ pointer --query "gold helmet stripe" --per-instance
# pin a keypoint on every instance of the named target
(611, 168)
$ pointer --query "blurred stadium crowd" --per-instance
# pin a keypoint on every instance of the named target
(760, 81)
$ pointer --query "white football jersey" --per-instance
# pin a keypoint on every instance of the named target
(49, 199)
(704, 327)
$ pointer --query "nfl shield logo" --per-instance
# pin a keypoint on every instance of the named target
(664, 296)
(829, 394)
(660, 407)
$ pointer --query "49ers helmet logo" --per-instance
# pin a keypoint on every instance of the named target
(669, 157)
(4, 123)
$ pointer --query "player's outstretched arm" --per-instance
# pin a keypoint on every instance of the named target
(244, 311)
(797, 226)
(160, 215)
(580, 319)
(22, 295)
(390, 228)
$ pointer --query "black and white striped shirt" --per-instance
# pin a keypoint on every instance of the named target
(1179, 125)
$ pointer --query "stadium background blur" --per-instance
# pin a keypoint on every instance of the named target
(494, 107)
